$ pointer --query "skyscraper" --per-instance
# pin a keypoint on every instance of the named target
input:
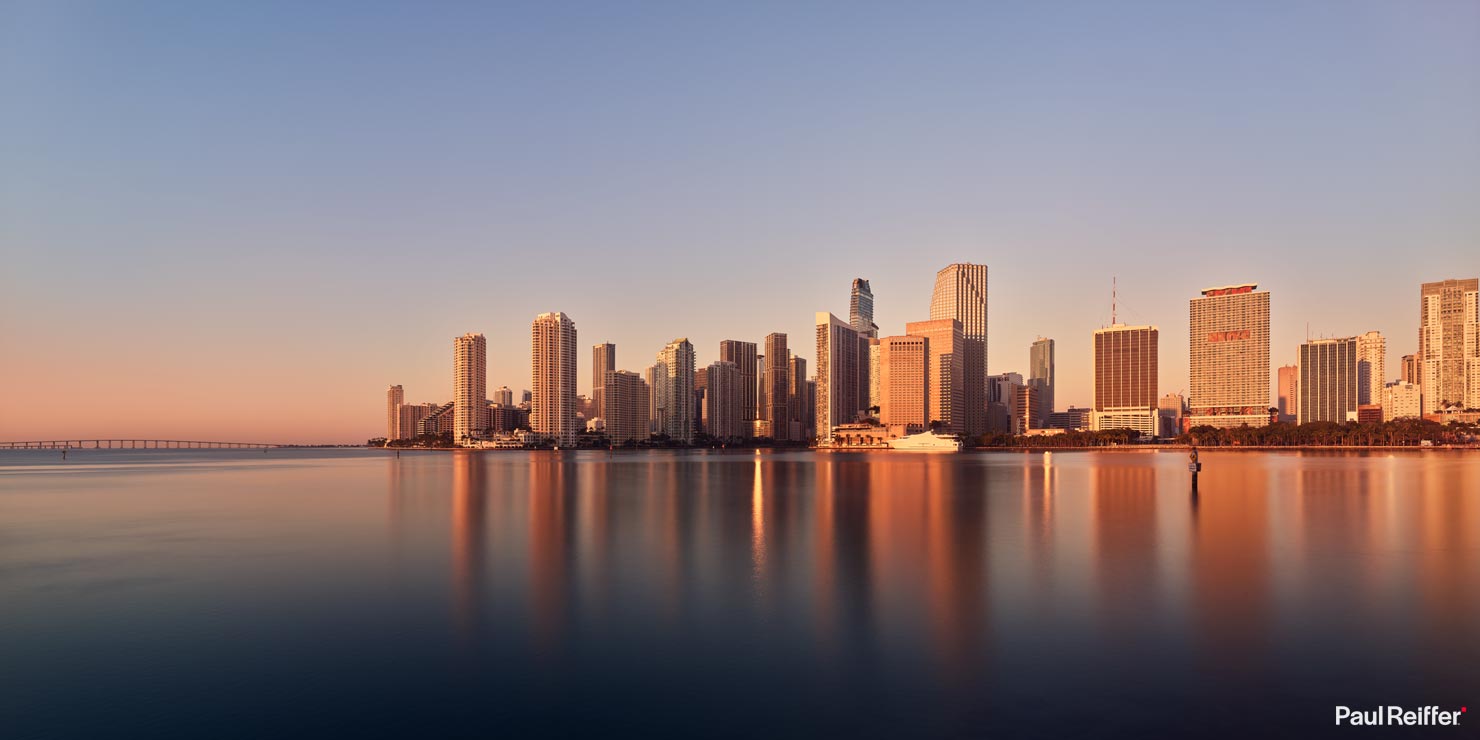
(744, 356)
(469, 385)
(875, 356)
(552, 405)
(410, 417)
(1371, 368)
(904, 383)
(1229, 348)
(961, 294)
(861, 309)
(627, 407)
(675, 390)
(701, 383)
(809, 400)
(946, 361)
(1328, 380)
(722, 394)
(800, 416)
(1288, 384)
(1408, 370)
(603, 361)
(654, 376)
(837, 375)
(1027, 408)
(777, 412)
(758, 426)
(1449, 342)
(1040, 376)
(1002, 402)
(1125, 361)
(394, 397)
(1169, 409)
(503, 396)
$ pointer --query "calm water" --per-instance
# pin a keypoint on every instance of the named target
(242, 594)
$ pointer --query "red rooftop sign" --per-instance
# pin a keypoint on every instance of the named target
(1229, 291)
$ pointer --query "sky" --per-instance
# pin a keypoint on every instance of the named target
(242, 221)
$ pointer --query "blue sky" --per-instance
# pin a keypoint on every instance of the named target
(215, 215)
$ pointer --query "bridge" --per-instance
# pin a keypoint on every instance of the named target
(133, 444)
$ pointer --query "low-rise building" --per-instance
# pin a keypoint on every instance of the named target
(1071, 419)
(438, 421)
(1401, 400)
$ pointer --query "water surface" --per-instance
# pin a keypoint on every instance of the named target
(315, 593)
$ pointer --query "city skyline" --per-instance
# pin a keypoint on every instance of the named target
(235, 258)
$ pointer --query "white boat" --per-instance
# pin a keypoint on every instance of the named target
(927, 442)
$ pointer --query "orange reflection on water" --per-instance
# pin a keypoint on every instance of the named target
(1123, 510)
(549, 568)
(917, 552)
(758, 527)
(468, 531)
(1231, 568)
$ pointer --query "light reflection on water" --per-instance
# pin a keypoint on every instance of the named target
(239, 594)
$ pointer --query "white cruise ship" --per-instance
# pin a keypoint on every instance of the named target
(927, 442)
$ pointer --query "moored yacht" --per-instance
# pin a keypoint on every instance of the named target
(927, 442)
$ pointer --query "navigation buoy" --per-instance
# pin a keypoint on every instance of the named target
(1194, 467)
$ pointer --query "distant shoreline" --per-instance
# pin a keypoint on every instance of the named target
(744, 450)
(970, 450)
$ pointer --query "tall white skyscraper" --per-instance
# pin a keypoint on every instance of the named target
(1449, 344)
(603, 361)
(961, 294)
(1229, 348)
(1371, 368)
(469, 385)
(552, 403)
(674, 392)
(394, 397)
(838, 393)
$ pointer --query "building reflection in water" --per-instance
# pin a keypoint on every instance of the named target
(1447, 534)
(1039, 486)
(758, 531)
(959, 583)
(1123, 513)
(1231, 566)
(549, 548)
(944, 568)
(469, 533)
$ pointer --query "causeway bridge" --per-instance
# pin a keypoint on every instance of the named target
(133, 444)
